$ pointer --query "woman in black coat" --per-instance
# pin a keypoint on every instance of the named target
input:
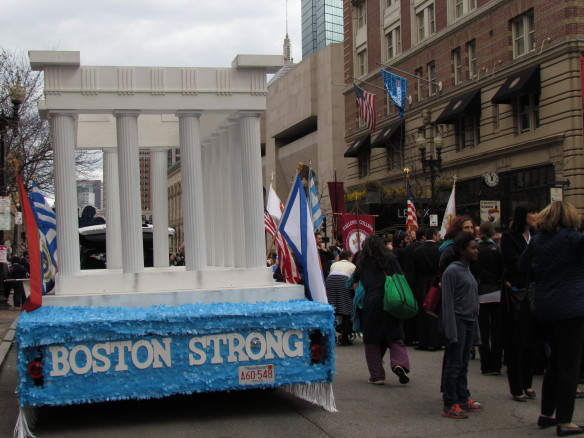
(556, 258)
(519, 329)
(380, 330)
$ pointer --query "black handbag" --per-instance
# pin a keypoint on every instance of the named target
(522, 300)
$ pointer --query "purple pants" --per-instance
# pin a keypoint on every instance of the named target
(398, 356)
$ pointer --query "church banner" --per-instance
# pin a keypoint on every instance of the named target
(355, 229)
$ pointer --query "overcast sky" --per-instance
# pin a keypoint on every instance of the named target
(195, 33)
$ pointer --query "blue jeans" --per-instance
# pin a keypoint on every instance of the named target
(456, 357)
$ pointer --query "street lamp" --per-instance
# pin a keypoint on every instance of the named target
(433, 163)
(7, 121)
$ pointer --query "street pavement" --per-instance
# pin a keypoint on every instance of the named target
(365, 410)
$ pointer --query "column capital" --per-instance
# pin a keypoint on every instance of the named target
(127, 113)
(189, 113)
(249, 113)
(70, 113)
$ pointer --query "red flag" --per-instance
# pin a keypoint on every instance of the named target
(366, 103)
(356, 228)
(35, 299)
(285, 259)
(337, 195)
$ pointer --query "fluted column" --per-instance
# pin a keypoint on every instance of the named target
(238, 225)
(130, 208)
(206, 155)
(216, 204)
(192, 190)
(113, 235)
(252, 189)
(159, 189)
(226, 200)
(63, 132)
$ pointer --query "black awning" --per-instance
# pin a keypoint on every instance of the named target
(386, 134)
(357, 147)
(521, 82)
(461, 105)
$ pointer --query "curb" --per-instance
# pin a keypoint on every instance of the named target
(7, 342)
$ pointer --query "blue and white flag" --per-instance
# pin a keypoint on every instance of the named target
(296, 228)
(397, 89)
(47, 225)
(315, 211)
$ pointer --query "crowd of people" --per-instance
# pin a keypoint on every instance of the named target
(516, 297)
(13, 274)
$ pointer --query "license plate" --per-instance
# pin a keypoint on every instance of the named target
(255, 374)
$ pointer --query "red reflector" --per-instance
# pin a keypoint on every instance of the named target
(35, 369)
(316, 353)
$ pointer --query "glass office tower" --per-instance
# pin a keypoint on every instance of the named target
(322, 24)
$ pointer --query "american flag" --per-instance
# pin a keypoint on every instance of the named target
(412, 219)
(285, 259)
(366, 102)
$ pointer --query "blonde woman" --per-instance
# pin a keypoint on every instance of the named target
(556, 259)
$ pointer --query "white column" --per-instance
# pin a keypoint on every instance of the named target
(216, 204)
(238, 228)
(192, 190)
(63, 131)
(159, 189)
(130, 208)
(252, 189)
(226, 199)
(207, 208)
(113, 235)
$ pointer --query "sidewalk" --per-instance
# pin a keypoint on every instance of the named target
(7, 326)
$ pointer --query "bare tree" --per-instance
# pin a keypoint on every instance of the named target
(25, 134)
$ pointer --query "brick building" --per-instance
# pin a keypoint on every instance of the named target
(495, 98)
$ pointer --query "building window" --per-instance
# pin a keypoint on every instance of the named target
(425, 22)
(526, 108)
(393, 153)
(471, 54)
(390, 3)
(419, 72)
(457, 66)
(467, 131)
(364, 163)
(462, 7)
(523, 31)
(393, 41)
(432, 85)
(362, 63)
(361, 15)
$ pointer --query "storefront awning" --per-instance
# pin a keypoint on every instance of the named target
(524, 81)
(459, 106)
(386, 134)
(358, 146)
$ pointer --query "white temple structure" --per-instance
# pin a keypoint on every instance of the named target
(213, 115)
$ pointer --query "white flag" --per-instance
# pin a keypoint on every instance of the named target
(450, 212)
(296, 227)
(274, 205)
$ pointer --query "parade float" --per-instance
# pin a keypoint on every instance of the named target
(219, 322)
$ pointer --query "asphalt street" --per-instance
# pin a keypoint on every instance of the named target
(392, 410)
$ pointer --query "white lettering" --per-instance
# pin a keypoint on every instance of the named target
(98, 357)
(161, 352)
(121, 347)
(74, 364)
(298, 351)
(202, 356)
(274, 345)
(216, 340)
(142, 364)
(59, 359)
(236, 345)
(252, 346)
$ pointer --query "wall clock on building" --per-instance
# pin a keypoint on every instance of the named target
(491, 179)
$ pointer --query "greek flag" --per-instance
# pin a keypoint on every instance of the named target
(397, 89)
(46, 221)
(316, 212)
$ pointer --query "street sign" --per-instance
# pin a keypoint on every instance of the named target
(433, 220)
(556, 194)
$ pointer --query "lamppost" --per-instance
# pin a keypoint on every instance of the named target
(433, 162)
(7, 121)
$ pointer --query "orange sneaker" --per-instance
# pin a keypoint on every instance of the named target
(472, 406)
(454, 411)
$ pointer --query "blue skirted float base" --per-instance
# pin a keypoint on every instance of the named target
(70, 355)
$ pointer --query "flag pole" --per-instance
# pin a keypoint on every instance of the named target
(407, 171)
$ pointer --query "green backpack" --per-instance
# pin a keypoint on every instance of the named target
(398, 298)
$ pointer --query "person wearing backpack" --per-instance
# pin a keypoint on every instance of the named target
(380, 329)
